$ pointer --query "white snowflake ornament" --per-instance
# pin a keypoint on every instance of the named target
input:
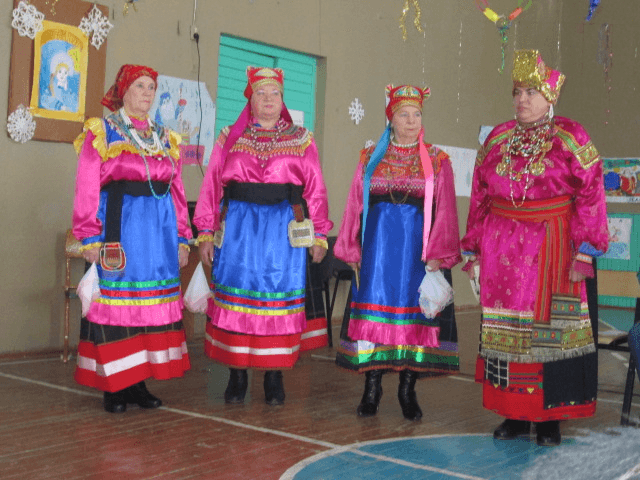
(21, 125)
(356, 111)
(27, 20)
(369, 143)
(97, 23)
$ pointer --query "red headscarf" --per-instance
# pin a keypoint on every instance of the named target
(125, 77)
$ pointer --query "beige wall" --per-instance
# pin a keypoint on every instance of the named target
(362, 49)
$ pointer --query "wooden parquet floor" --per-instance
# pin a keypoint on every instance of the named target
(52, 428)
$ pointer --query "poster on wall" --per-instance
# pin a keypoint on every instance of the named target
(60, 72)
(177, 106)
(619, 238)
(622, 179)
(463, 161)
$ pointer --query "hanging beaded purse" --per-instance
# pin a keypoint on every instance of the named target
(301, 233)
(112, 257)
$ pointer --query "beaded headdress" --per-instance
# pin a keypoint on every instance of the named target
(405, 95)
(125, 77)
(259, 76)
(529, 70)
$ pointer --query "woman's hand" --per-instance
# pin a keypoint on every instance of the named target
(183, 257)
(92, 255)
(317, 253)
(576, 276)
(206, 253)
(434, 265)
(470, 268)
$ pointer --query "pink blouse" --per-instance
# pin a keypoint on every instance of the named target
(444, 239)
(101, 162)
(293, 158)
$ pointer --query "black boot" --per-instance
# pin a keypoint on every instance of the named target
(139, 394)
(372, 394)
(548, 434)
(511, 429)
(273, 387)
(237, 386)
(407, 395)
(115, 402)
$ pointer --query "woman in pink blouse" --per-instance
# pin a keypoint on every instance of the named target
(537, 217)
(130, 212)
(262, 205)
(400, 215)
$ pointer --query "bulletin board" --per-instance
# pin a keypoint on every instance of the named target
(57, 127)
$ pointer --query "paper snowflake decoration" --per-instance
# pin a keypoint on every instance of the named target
(21, 125)
(369, 143)
(97, 23)
(356, 111)
(27, 20)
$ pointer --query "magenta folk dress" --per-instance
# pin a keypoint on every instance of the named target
(537, 357)
(134, 330)
(260, 317)
(386, 328)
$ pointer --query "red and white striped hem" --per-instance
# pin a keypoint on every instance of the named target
(114, 366)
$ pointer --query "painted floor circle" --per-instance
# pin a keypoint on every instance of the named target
(597, 456)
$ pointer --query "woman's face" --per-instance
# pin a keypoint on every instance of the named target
(530, 104)
(61, 74)
(407, 122)
(266, 104)
(139, 96)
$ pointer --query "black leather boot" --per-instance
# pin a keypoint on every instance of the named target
(273, 387)
(407, 395)
(139, 394)
(511, 429)
(237, 386)
(115, 402)
(372, 394)
(548, 434)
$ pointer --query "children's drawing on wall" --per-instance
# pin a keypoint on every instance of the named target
(60, 72)
(619, 238)
(622, 179)
(177, 106)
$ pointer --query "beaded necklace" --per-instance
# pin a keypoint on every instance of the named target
(264, 149)
(146, 150)
(531, 141)
(406, 152)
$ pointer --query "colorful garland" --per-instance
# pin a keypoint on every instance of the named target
(502, 23)
(416, 18)
(593, 4)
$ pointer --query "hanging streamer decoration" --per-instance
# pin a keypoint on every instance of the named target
(416, 18)
(125, 7)
(503, 23)
(593, 4)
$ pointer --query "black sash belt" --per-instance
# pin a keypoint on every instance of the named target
(264, 193)
(115, 194)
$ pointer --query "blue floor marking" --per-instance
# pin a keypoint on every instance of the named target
(452, 457)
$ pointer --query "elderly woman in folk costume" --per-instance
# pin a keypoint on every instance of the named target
(537, 217)
(130, 212)
(400, 214)
(262, 205)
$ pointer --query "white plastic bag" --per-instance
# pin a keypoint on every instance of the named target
(435, 293)
(198, 292)
(88, 288)
(475, 282)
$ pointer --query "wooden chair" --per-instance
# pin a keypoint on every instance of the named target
(620, 284)
(71, 250)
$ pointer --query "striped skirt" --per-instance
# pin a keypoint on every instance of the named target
(265, 311)
(384, 327)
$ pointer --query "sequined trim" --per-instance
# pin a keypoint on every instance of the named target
(97, 126)
(207, 237)
(586, 154)
(293, 141)
(492, 142)
(322, 242)
(89, 246)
